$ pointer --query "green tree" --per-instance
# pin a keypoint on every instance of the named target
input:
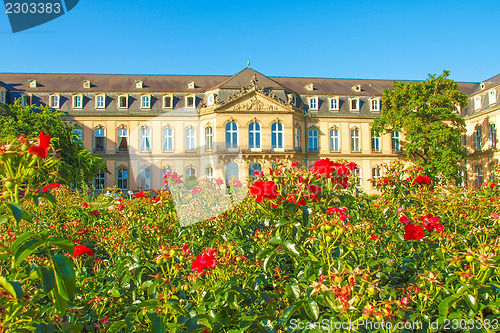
(425, 113)
(78, 166)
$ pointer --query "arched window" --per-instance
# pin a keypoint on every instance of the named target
(231, 136)
(313, 140)
(122, 134)
(277, 136)
(99, 140)
(231, 172)
(334, 140)
(209, 172)
(396, 143)
(254, 136)
(122, 178)
(208, 138)
(355, 144)
(190, 171)
(145, 144)
(255, 166)
(168, 139)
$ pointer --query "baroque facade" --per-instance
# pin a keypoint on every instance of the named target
(230, 126)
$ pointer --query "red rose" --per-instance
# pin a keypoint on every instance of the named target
(81, 250)
(413, 232)
(262, 189)
(141, 194)
(43, 144)
(219, 181)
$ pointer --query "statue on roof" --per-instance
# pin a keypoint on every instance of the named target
(253, 81)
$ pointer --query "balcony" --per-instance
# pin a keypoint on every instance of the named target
(222, 148)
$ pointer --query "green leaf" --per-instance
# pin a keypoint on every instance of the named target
(292, 248)
(264, 252)
(16, 210)
(65, 276)
(312, 309)
(64, 244)
(13, 287)
(267, 261)
(444, 306)
(59, 302)
(48, 279)
(155, 323)
(3, 219)
(19, 240)
(26, 249)
(50, 198)
(117, 326)
(287, 315)
(471, 301)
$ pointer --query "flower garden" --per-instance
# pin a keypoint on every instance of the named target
(300, 251)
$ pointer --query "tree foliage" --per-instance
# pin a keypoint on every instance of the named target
(78, 166)
(425, 113)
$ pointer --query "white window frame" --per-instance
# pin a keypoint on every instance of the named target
(145, 174)
(357, 178)
(375, 104)
(233, 131)
(479, 175)
(211, 99)
(357, 104)
(145, 139)
(334, 103)
(278, 132)
(313, 103)
(314, 139)
(25, 98)
(376, 174)
(95, 132)
(477, 138)
(120, 97)
(100, 181)
(98, 99)
(376, 143)
(55, 101)
(334, 140)
(190, 139)
(146, 101)
(209, 171)
(355, 133)
(120, 135)
(167, 139)
(194, 101)
(209, 138)
(171, 97)
(190, 171)
(122, 179)
(77, 101)
(477, 102)
(396, 142)
(492, 133)
(492, 97)
(298, 138)
(256, 145)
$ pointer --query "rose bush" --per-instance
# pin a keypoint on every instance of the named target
(303, 245)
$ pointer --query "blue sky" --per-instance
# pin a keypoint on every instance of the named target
(339, 39)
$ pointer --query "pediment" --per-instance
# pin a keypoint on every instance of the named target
(255, 101)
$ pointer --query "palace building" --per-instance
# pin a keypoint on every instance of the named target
(230, 126)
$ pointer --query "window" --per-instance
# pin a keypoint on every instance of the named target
(313, 140)
(86, 84)
(100, 180)
(492, 173)
(313, 103)
(375, 176)
(477, 102)
(479, 176)
(211, 99)
(77, 135)
(123, 101)
(190, 172)
(145, 179)
(3, 96)
(477, 138)
(254, 136)
(100, 101)
(357, 177)
(493, 135)
(77, 101)
(122, 178)
(463, 140)
(354, 104)
(334, 140)
(231, 172)
(54, 101)
(396, 142)
(355, 143)
(375, 143)
(138, 84)
(492, 97)
(168, 139)
(168, 101)
(145, 101)
(252, 168)
(462, 178)
(375, 104)
(277, 137)
(190, 101)
(334, 103)
(122, 140)
(145, 144)
(231, 136)
(190, 140)
(99, 140)
(209, 172)
(298, 138)
(27, 100)
(209, 138)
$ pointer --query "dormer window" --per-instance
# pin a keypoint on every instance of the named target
(191, 85)
(354, 103)
(32, 83)
(483, 85)
(168, 101)
(309, 87)
(375, 104)
(492, 97)
(123, 101)
(54, 101)
(356, 88)
(86, 84)
(477, 102)
(27, 100)
(313, 103)
(334, 103)
(211, 99)
(190, 101)
(138, 84)
(100, 102)
(3, 95)
(145, 101)
(77, 101)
